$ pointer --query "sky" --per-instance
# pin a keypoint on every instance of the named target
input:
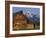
(25, 10)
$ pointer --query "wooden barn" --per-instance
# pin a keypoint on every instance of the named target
(20, 22)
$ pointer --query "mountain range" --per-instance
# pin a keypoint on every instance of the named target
(31, 17)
